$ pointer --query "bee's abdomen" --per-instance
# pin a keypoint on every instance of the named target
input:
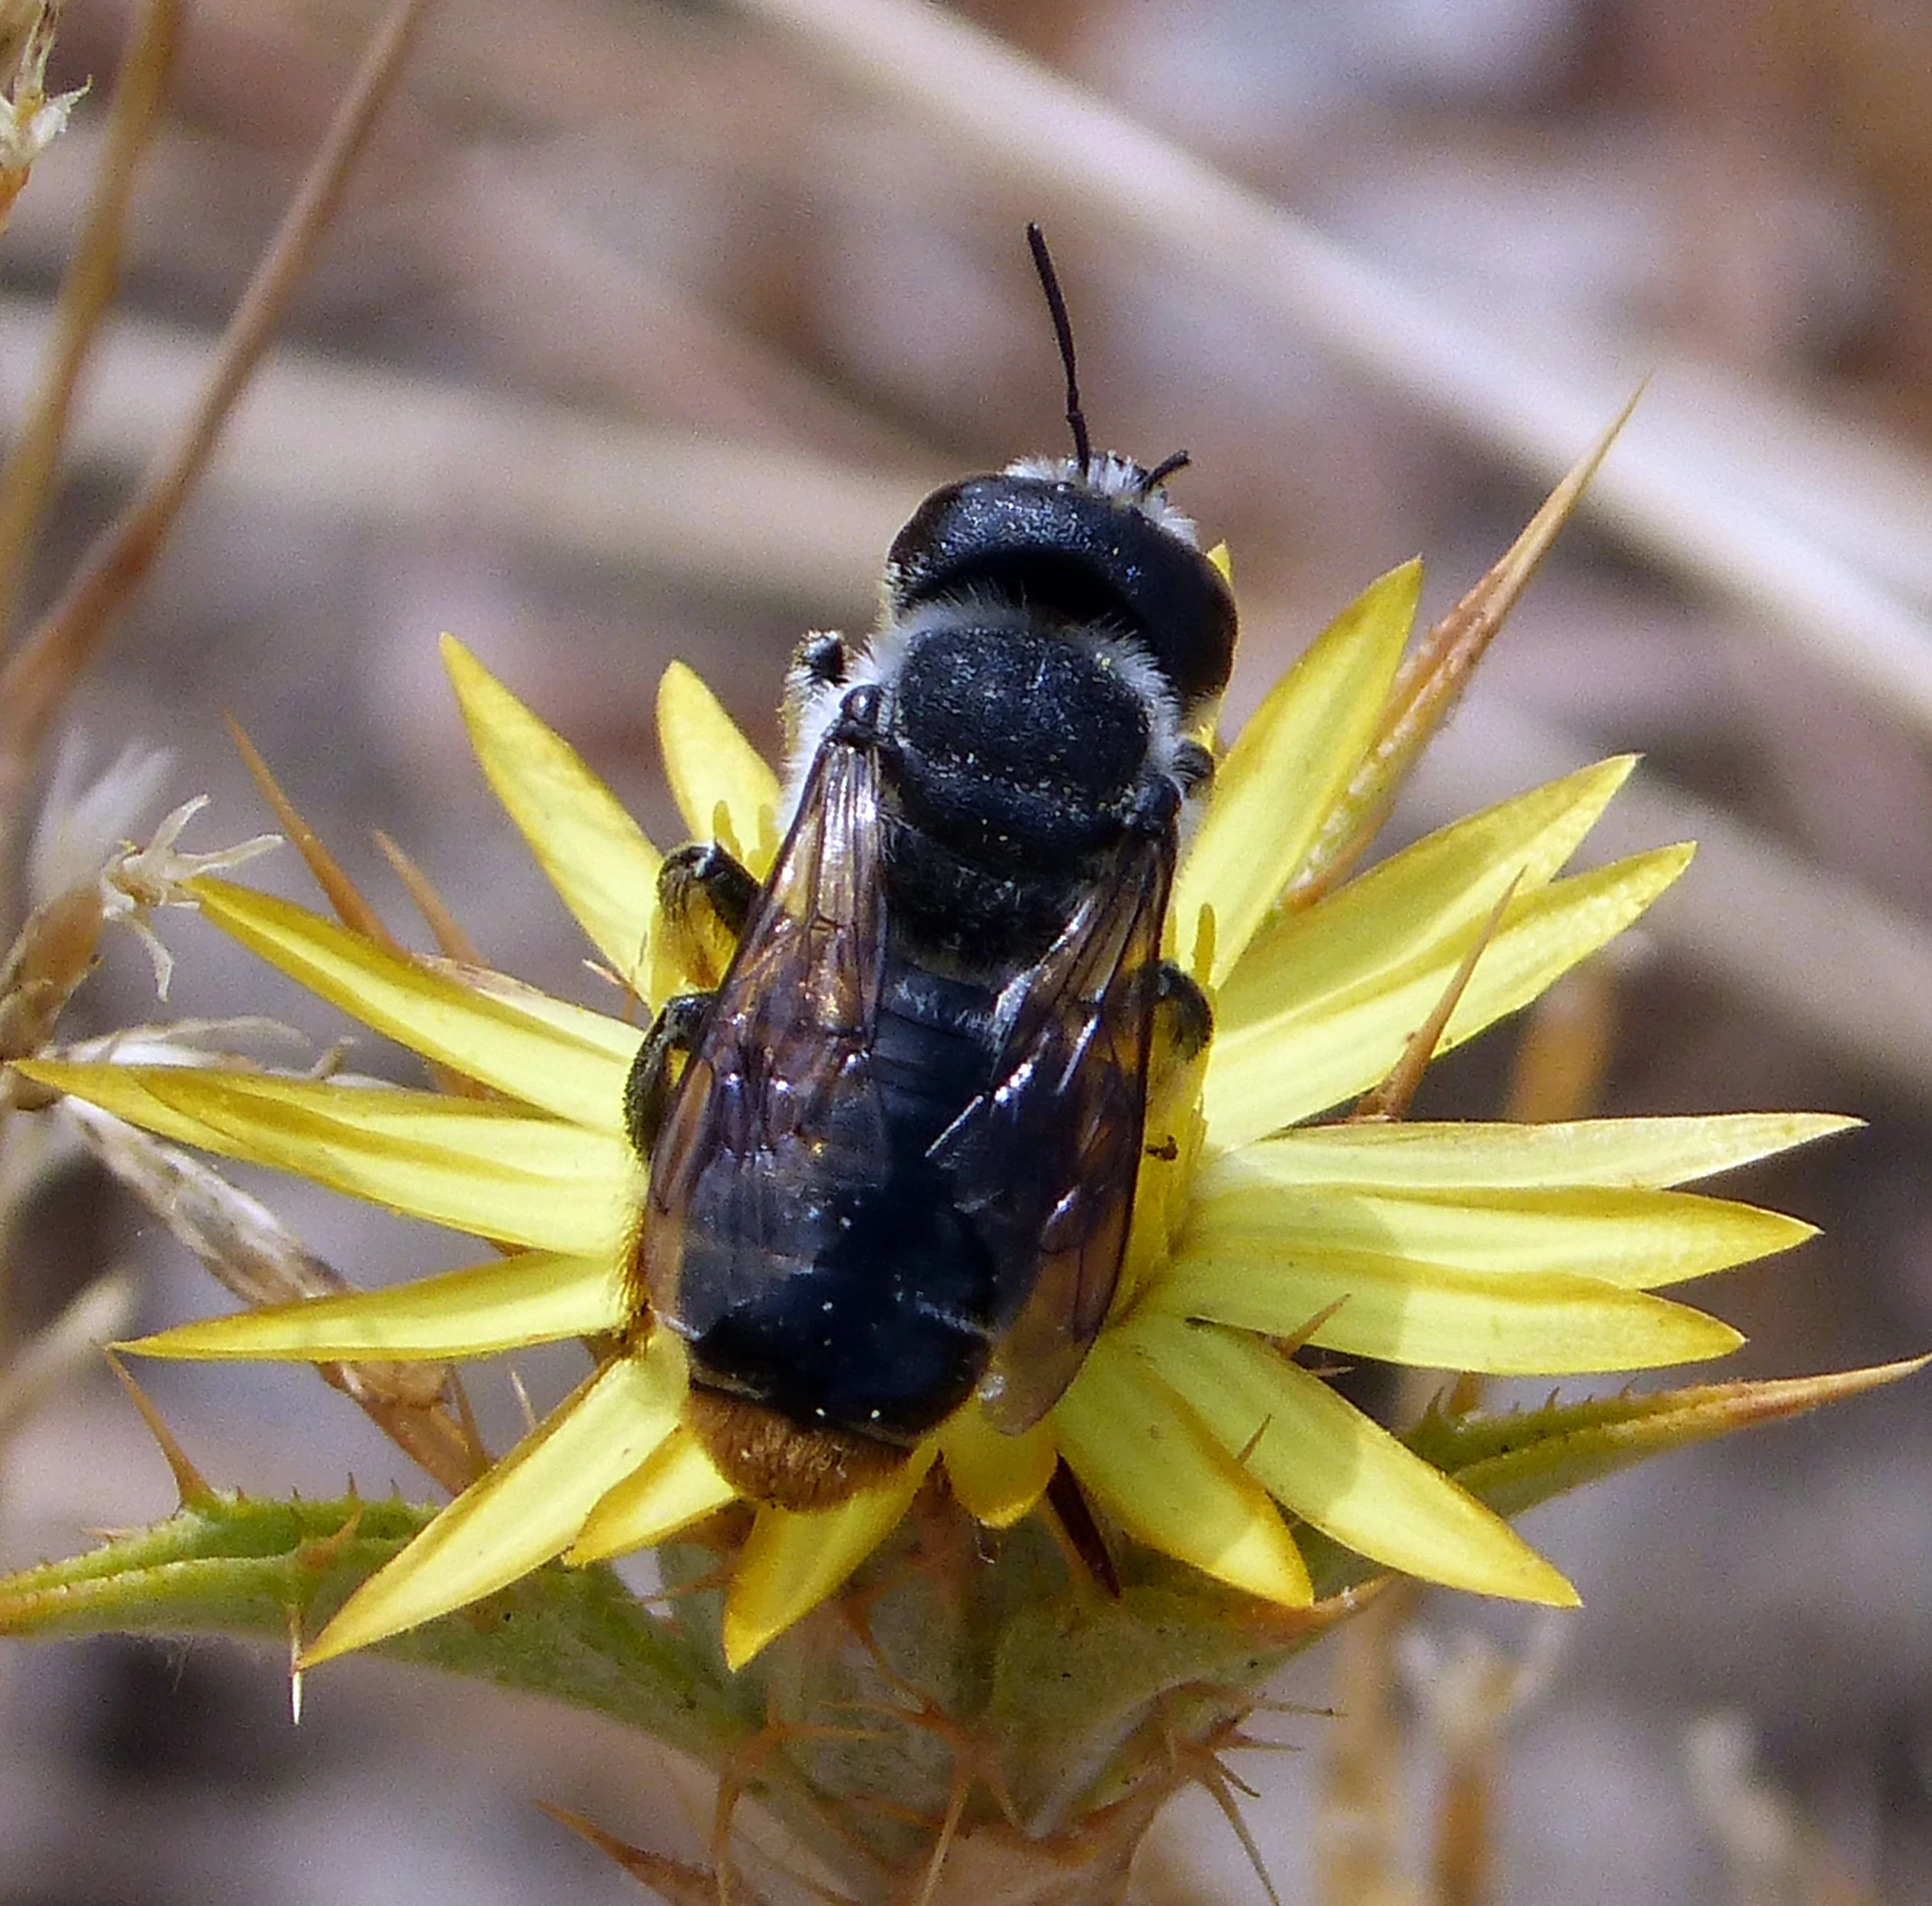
(840, 1286)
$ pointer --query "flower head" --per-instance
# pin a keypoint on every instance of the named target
(1264, 1222)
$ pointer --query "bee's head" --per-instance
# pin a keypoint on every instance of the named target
(1093, 543)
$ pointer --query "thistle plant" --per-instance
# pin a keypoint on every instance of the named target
(991, 1673)
(1021, 1645)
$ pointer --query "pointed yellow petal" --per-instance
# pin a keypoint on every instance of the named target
(535, 1297)
(525, 1511)
(679, 1484)
(1506, 1323)
(1289, 762)
(1149, 1460)
(1642, 1152)
(473, 1166)
(591, 851)
(1326, 1461)
(710, 763)
(1433, 895)
(578, 1025)
(792, 1562)
(483, 1037)
(997, 1478)
(117, 1089)
(1342, 1043)
(1621, 1233)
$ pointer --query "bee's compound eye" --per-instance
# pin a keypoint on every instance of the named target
(1074, 555)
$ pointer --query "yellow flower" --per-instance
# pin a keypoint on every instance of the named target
(1480, 1248)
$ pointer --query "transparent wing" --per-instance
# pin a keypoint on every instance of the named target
(780, 1075)
(1045, 1163)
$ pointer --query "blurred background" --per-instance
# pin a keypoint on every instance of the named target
(643, 328)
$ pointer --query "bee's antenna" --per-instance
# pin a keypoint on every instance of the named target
(1063, 332)
(1161, 471)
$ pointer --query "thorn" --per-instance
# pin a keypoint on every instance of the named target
(1302, 1337)
(337, 888)
(737, 1778)
(1217, 1791)
(1431, 679)
(1390, 1101)
(673, 1880)
(317, 1555)
(1072, 1521)
(295, 1668)
(956, 1806)
(523, 1401)
(451, 940)
(466, 1418)
(190, 1484)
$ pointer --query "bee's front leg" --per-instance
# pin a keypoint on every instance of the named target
(647, 1091)
(704, 900)
(1187, 1018)
(707, 872)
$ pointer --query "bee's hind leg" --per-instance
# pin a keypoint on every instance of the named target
(647, 1091)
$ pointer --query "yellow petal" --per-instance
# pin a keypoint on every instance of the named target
(476, 1166)
(1326, 1461)
(483, 1037)
(1506, 1324)
(1432, 895)
(792, 1562)
(997, 1478)
(678, 1484)
(710, 764)
(535, 1297)
(117, 1089)
(1643, 1151)
(1621, 1233)
(1289, 762)
(577, 1023)
(1150, 1461)
(591, 851)
(1342, 1043)
(525, 1511)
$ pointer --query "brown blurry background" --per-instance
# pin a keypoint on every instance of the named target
(640, 332)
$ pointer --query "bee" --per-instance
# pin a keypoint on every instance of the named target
(897, 1168)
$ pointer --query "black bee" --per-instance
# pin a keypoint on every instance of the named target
(898, 1168)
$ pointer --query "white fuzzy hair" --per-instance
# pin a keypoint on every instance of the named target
(1119, 479)
(881, 662)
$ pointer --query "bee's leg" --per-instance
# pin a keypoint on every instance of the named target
(1193, 768)
(820, 667)
(1184, 1023)
(648, 1090)
(704, 900)
(1187, 1018)
(823, 660)
(706, 871)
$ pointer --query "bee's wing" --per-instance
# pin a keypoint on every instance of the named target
(782, 1064)
(1045, 1163)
